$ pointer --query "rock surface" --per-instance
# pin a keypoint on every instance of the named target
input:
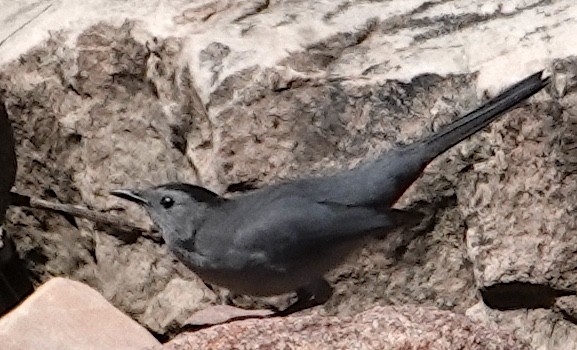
(220, 314)
(540, 328)
(64, 314)
(224, 93)
(387, 328)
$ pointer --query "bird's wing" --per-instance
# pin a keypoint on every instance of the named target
(297, 225)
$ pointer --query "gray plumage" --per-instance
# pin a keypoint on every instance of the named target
(285, 237)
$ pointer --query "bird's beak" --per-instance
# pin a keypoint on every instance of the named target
(131, 195)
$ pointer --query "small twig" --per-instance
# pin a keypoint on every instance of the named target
(76, 211)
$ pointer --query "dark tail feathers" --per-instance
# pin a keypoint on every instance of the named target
(476, 120)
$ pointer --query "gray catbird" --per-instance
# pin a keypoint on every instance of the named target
(285, 237)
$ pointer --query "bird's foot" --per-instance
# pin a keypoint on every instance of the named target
(316, 293)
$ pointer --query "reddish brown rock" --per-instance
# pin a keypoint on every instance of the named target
(64, 314)
(407, 327)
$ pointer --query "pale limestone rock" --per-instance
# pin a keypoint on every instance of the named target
(64, 314)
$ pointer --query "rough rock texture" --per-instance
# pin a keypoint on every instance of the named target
(519, 204)
(227, 93)
(64, 314)
(540, 328)
(387, 328)
(59, 149)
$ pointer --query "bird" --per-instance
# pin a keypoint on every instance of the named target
(286, 237)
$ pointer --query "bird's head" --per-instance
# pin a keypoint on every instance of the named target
(176, 208)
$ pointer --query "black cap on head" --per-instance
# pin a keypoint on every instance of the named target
(199, 193)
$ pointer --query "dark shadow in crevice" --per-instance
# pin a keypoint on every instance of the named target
(521, 295)
(243, 186)
(15, 282)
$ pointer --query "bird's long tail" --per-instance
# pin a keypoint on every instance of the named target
(384, 180)
(476, 120)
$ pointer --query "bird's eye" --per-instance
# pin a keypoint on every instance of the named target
(167, 202)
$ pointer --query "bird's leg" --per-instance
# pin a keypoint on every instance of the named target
(229, 299)
(316, 293)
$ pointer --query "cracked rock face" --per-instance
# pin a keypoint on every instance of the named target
(59, 149)
(240, 94)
